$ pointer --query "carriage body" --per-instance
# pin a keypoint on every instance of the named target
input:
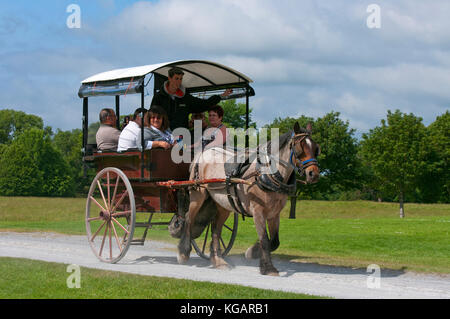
(155, 166)
(144, 181)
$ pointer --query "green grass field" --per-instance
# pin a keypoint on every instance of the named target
(355, 233)
(30, 279)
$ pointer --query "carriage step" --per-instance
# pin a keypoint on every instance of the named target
(139, 242)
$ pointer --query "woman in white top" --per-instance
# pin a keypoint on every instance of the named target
(216, 133)
(156, 130)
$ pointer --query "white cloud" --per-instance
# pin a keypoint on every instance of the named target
(306, 57)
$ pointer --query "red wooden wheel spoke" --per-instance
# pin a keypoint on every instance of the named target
(97, 203)
(117, 238)
(98, 230)
(120, 225)
(120, 201)
(115, 190)
(107, 185)
(120, 214)
(103, 240)
(103, 196)
(110, 240)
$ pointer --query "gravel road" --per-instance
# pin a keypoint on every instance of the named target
(159, 259)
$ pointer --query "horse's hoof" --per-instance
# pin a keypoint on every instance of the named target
(223, 267)
(182, 259)
(252, 253)
(220, 264)
(272, 271)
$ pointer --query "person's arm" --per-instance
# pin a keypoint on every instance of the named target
(161, 144)
(198, 105)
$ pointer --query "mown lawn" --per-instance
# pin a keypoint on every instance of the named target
(30, 279)
(352, 233)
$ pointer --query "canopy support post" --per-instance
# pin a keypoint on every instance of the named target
(85, 124)
(142, 136)
(247, 110)
(118, 111)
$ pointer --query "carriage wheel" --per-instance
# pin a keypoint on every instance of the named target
(110, 215)
(229, 231)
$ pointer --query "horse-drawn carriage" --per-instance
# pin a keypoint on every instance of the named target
(149, 182)
(145, 182)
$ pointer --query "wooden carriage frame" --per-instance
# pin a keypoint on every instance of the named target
(147, 181)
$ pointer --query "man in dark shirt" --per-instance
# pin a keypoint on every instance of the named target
(178, 104)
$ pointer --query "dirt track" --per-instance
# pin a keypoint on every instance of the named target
(159, 259)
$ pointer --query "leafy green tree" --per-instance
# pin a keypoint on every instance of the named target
(339, 164)
(338, 160)
(286, 124)
(434, 184)
(234, 114)
(12, 123)
(69, 144)
(395, 154)
(31, 166)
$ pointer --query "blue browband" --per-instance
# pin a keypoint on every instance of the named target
(310, 160)
(304, 162)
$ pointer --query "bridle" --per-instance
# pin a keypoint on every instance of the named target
(300, 166)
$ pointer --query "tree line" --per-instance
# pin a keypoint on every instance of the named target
(399, 160)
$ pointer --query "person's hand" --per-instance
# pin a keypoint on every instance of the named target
(162, 144)
(227, 92)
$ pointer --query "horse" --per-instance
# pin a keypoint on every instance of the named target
(262, 199)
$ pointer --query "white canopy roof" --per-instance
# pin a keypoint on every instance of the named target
(197, 73)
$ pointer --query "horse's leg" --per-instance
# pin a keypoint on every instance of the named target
(216, 230)
(274, 226)
(254, 252)
(184, 246)
(265, 263)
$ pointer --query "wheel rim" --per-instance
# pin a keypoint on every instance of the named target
(110, 215)
(203, 242)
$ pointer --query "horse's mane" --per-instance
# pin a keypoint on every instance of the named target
(283, 139)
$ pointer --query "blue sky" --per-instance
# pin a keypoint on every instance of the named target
(305, 57)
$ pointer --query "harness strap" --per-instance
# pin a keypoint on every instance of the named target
(239, 209)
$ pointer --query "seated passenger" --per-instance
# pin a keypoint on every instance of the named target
(156, 130)
(107, 135)
(131, 132)
(216, 132)
(204, 124)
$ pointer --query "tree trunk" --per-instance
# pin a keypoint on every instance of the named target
(293, 203)
(402, 212)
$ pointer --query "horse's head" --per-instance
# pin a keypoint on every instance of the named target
(304, 153)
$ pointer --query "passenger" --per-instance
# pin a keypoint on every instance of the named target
(178, 104)
(126, 120)
(216, 133)
(107, 135)
(197, 117)
(156, 130)
(128, 137)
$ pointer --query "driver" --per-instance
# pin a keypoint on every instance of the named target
(178, 104)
